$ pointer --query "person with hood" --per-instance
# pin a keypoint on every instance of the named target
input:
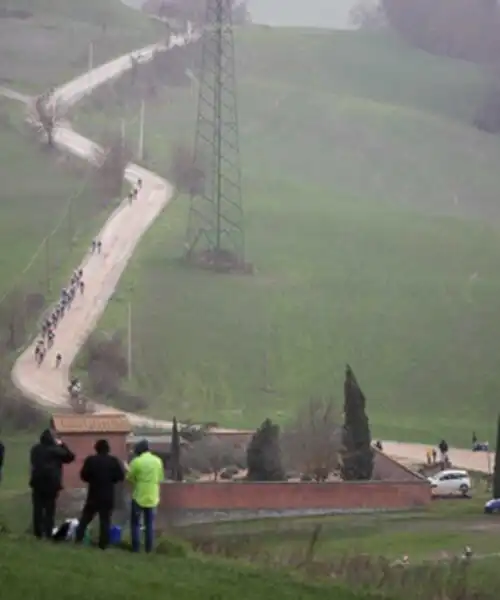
(47, 458)
(443, 448)
(101, 471)
(145, 473)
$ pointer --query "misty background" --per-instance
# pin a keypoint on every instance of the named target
(332, 14)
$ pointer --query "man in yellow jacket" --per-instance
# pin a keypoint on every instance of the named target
(145, 473)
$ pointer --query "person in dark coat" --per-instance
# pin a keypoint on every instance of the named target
(47, 458)
(101, 471)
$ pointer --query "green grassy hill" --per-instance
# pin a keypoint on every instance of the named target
(371, 213)
(69, 572)
(51, 44)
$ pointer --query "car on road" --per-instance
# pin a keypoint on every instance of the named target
(450, 482)
(492, 506)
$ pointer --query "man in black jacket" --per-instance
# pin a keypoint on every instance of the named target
(47, 458)
(102, 472)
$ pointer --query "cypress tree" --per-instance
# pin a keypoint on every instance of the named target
(496, 471)
(264, 454)
(357, 453)
(175, 453)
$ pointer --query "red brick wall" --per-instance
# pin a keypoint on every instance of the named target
(287, 496)
(82, 444)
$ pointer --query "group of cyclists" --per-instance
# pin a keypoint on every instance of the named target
(134, 191)
(50, 323)
(68, 294)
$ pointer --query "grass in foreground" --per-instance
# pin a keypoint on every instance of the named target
(52, 45)
(116, 575)
(351, 144)
(444, 529)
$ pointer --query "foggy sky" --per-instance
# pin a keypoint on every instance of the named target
(305, 13)
(295, 13)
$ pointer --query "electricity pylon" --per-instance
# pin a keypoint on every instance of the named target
(215, 234)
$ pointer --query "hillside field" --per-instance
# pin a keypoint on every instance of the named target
(371, 219)
(46, 42)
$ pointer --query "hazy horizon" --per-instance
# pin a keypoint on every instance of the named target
(295, 13)
(298, 13)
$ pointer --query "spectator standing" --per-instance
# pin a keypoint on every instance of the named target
(47, 458)
(443, 449)
(145, 473)
(101, 471)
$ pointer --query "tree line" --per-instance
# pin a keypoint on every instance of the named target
(460, 29)
(464, 29)
(311, 448)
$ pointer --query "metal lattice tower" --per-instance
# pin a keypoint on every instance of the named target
(215, 233)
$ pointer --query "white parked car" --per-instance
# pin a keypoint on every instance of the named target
(451, 482)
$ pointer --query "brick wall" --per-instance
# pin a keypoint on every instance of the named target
(291, 496)
(82, 444)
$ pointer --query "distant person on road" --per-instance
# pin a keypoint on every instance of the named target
(102, 471)
(99, 246)
(443, 448)
(145, 473)
(2, 459)
(58, 360)
(47, 458)
(94, 246)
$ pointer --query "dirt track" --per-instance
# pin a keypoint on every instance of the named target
(47, 385)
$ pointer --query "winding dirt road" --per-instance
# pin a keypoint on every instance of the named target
(47, 385)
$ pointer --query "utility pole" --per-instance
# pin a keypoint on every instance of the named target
(47, 265)
(141, 130)
(129, 340)
(70, 224)
(91, 59)
(122, 131)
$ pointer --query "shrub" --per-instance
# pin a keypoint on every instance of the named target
(264, 454)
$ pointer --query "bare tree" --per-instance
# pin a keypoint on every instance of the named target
(211, 455)
(13, 318)
(111, 164)
(49, 114)
(368, 15)
(313, 442)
